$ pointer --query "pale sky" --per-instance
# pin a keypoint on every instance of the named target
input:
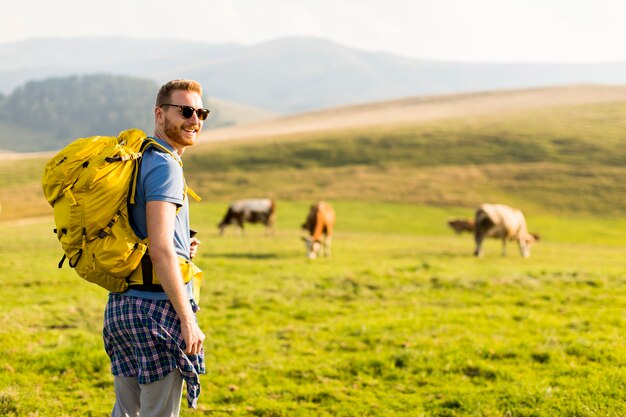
(451, 30)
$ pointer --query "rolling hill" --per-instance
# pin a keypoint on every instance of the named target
(421, 109)
(558, 150)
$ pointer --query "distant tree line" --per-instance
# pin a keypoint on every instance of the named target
(78, 106)
(48, 114)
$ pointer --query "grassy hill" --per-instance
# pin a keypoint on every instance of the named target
(423, 109)
(550, 150)
(545, 155)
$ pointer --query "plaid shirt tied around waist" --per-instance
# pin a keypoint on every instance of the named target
(143, 339)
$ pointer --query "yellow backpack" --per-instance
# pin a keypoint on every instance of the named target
(89, 184)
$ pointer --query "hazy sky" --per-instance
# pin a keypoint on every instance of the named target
(466, 30)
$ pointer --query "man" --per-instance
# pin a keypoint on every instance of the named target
(151, 334)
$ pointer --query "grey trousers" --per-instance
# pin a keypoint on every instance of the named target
(161, 398)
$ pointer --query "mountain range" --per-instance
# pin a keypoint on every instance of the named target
(289, 75)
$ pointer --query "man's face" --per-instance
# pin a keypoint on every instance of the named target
(181, 132)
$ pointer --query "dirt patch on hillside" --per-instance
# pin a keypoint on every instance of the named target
(422, 109)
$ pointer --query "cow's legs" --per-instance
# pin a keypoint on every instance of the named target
(524, 248)
(242, 231)
(482, 227)
(327, 242)
(503, 246)
(478, 238)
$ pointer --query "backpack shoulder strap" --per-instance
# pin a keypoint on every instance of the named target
(133, 184)
(149, 141)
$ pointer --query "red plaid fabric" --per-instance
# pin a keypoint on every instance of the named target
(143, 339)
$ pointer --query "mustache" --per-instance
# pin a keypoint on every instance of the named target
(193, 126)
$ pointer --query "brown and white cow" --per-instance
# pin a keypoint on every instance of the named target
(502, 222)
(319, 223)
(461, 225)
(261, 210)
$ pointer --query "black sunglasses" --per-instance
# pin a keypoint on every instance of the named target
(188, 111)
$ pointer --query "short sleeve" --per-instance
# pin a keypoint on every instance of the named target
(162, 178)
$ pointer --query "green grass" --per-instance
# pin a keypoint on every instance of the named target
(400, 321)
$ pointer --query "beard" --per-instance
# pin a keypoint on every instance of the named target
(179, 136)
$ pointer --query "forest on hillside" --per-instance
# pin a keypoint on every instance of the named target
(60, 109)
(47, 114)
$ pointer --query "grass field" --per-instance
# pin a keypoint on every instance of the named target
(400, 321)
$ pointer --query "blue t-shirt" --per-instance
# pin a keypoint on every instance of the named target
(161, 179)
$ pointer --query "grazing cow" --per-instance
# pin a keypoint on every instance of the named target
(261, 210)
(319, 223)
(461, 225)
(502, 222)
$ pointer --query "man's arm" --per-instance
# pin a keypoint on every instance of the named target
(160, 217)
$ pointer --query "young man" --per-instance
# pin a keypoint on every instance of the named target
(151, 333)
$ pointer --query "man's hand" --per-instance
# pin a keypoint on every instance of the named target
(193, 249)
(193, 337)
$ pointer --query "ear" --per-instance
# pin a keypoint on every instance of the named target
(306, 239)
(536, 236)
(158, 114)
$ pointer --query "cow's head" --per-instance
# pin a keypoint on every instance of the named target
(312, 247)
(311, 219)
(526, 242)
